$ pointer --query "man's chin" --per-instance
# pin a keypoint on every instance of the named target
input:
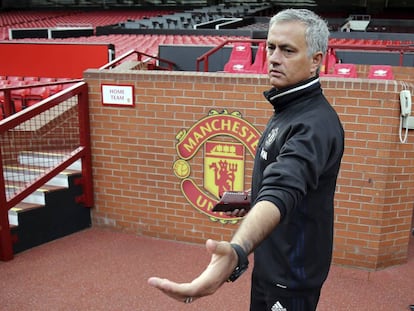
(277, 82)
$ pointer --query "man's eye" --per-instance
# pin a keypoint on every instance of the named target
(288, 52)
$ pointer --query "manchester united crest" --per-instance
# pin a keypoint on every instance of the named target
(223, 140)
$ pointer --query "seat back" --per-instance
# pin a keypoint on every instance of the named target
(329, 61)
(345, 70)
(36, 94)
(383, 72)
(240, 58)
(259, 60)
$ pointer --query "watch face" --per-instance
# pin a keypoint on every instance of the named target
(237, 273)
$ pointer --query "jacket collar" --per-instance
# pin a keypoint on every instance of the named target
(280, 98)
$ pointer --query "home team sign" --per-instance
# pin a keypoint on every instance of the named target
(224, 138)
(118, 95)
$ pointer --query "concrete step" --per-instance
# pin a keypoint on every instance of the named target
(46, 159)
(25, 174)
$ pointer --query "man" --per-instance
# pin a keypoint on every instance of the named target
(290, 224)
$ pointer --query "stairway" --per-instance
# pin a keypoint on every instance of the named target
(50, 212)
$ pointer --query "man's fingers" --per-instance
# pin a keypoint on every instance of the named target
(168, 286)
(177, 291)
(207, 282)
(154, 281)
(159, 283)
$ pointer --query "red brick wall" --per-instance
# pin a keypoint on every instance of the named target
(134, 150)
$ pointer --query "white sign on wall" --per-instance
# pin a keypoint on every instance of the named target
(118, 95)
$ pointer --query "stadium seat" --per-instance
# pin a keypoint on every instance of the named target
(31, 79)
(240, 58)
(36, 94)
(14, 78)
(18, 96)
(46, 79)
(259, 60)
(383, 72)
(345, 70)
(52, 88)
(328, 62)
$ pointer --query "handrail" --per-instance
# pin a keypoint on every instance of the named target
(20, 132)
(8, 103)
(140, 55)
(206, 55)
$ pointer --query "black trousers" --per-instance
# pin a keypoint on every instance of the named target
(273, 298)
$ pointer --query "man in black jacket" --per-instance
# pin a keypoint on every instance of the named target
(290, 225)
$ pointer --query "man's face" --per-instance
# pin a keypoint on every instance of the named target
(288, 62)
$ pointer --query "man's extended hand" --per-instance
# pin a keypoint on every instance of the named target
(223, 261)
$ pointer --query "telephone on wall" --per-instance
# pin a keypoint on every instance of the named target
(405, 101)
(406, 121)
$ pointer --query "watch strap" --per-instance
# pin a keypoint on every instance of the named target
(242, 263)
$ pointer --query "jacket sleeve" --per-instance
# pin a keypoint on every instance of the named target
(303, 156)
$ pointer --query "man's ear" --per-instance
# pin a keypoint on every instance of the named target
(316, 61)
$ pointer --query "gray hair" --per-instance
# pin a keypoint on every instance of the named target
(316, 33)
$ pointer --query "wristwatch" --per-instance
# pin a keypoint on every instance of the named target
(242, 263)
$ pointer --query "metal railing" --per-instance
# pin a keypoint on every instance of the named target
(8, 107)
(205, 57)
(145, 61)
(57, 125)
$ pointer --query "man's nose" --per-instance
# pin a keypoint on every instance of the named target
(274, 57)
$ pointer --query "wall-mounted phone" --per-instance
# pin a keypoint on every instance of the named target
(405, 101)
(406, 121)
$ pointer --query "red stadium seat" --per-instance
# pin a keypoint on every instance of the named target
(18, 96)
(31, 79)
(14, 78)
(240, 58)
(328, 62)
(46, 79)
(36, 94)
(52, 88)
(383, 72)
(259, 60)
(345, 70)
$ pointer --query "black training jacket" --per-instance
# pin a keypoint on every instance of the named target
(296, 167)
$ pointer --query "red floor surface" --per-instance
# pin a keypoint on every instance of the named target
(97, 269)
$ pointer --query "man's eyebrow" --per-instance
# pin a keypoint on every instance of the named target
(284, 45)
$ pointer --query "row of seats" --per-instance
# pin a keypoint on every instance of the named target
(52, 19)
(381, 72)
(337, 69)
(368, 42)
(240, 61)
(145, 43)
(27, 19)
(27, 96)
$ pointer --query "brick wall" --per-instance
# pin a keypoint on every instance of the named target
(134, 151)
